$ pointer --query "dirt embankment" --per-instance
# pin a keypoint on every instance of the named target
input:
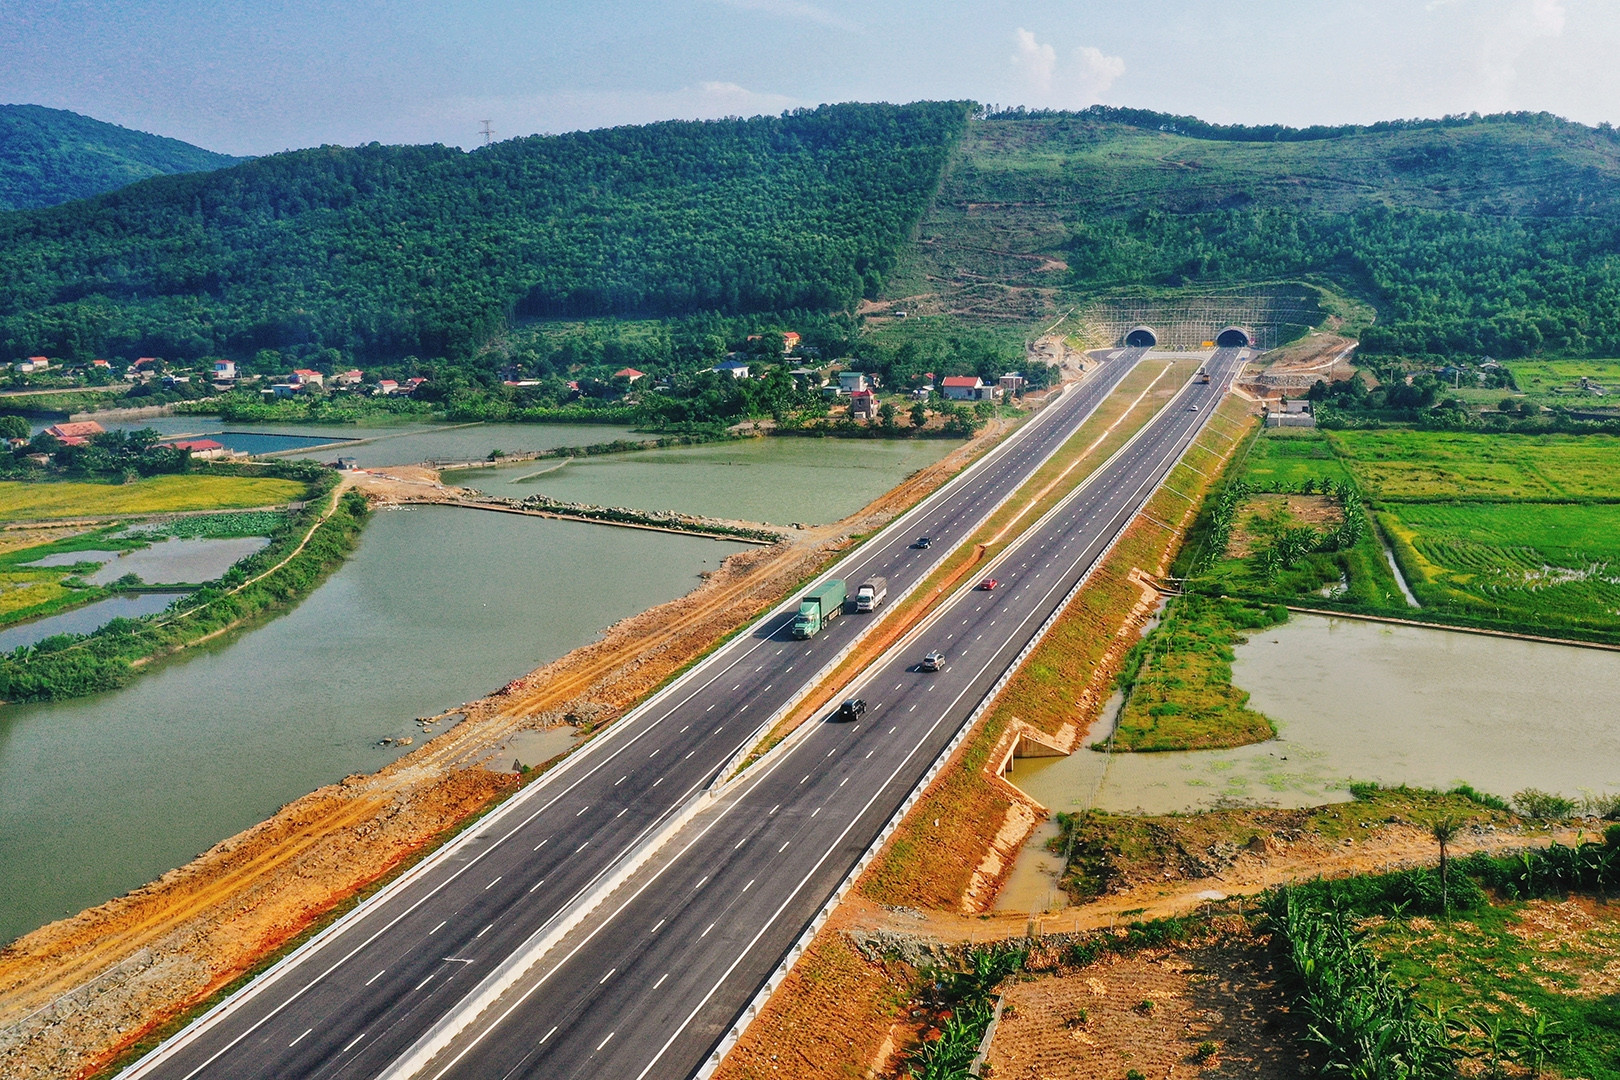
(150, 955)
(1294, 369)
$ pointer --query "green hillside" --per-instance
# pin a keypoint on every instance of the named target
(1482, 234)
(50, 156)
(383, 251)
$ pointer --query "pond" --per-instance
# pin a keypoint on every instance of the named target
(385, 444)
(86, 619)
(436, 607)
(779, 480)
(168, 562)
(1357, 700)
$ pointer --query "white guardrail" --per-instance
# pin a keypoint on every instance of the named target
(780, 973)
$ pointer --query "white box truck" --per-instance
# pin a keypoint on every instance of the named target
(871, 594)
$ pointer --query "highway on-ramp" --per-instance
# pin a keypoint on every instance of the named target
(650, 986)
(370, 987)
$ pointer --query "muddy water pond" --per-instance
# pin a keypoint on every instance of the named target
(436, 607)
(1356, 700)
(779, 480)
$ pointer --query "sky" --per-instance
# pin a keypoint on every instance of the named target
(257, 77)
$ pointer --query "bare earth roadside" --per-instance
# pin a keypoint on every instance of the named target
(133, 964)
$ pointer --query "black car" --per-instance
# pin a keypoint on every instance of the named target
(924, 542)
(853, 709)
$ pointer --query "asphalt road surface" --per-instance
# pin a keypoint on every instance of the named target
(375, 984)
(650, 986)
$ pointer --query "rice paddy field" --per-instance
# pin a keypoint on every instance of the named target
(1559, 378)
(1399, 463)
(1521, 532)
(25, 501)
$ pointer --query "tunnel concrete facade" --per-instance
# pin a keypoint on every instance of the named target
(1234, 337)
(1141, 337)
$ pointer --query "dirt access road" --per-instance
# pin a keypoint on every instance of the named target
(76, 994)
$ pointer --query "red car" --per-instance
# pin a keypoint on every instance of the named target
(988, 583)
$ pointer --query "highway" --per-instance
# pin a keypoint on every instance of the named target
(651, 984)
(365, 991)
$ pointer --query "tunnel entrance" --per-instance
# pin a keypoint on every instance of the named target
(1233, 337)
(1141, 337)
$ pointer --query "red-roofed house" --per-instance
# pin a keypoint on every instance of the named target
(862, 404)
(201, 448)
(349, 378)
(962, 387)
(306, 377)
(387, 386)
(75, 434)
(790, 341)
(629, 373)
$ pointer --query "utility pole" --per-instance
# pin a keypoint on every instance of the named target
(487, 132)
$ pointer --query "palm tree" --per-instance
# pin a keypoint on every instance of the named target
(1444, 831)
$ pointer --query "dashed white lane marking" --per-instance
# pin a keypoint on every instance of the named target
(484, 931)
(537, 884)
(700, 884)
(660, 780)
(436, 929)
(621, 780)
(621, 813)
(891, 730)
(740, 843)
(706, 930)
(351, 1046)
(377, 976)
(582, 810)
(816, 811)
(548, 1035)
(606, 977)
(750, 884)
(300, 1038)
(491, 885)
(654, 753)
(425, 981)
(605, 1041)
(542, 843)
(783, 848)
(660, 981)
(656, 926)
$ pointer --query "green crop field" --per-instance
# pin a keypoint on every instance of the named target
(1517, 531)
(1549, 378)
(1546, 564)
(1282, 459)
(24, 501)
(1396, 463)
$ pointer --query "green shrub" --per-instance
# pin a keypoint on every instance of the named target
(1543, 805)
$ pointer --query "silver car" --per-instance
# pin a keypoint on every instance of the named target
(932, 661)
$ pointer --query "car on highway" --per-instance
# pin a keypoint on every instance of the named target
(853, 709)
(988, 584)
(1192, 408)
(924, 542)
(932, 661)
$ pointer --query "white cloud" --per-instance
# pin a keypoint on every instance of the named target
(793, 9)
(575, 110)
(1078, 80)
(1503, 32)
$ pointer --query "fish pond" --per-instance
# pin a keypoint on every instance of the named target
(436, 607)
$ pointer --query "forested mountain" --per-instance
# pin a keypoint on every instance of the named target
(381, 251)
(51, 156)
(1496, 234)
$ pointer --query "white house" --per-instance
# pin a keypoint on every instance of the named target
(224, 370)
(851, 381)
(964, 388)
(735, 368)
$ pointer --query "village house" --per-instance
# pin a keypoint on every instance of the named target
(75, 434)
(224, 370)
(387, 386)
(851, 381)
(1012, 383)
(306, 377)
(204, 449)
(737, 369)
(629, 374)
(862, 404)
(32, 364)
(352, 377)
(964, 388)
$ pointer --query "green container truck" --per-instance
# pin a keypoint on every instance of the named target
(819, 608)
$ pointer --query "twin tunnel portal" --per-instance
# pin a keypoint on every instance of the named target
(1231, 337)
